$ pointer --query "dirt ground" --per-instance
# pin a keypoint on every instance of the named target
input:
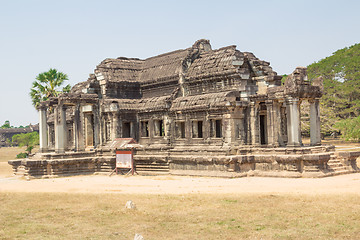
(349, 183)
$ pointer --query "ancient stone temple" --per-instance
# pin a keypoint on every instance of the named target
(192, 111)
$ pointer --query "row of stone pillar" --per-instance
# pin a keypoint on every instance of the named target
(293, 123)
(60, 130)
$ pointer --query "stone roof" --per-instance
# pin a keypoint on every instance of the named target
(206, 101)
(142, 105)
(120, 69)
(201, 63)
(77, 88)
(215, 63)
(259, 67)
(163, 67)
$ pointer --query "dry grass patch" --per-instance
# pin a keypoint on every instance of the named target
(103, 216)
(9, 153)
(6, 154)
(5, 170)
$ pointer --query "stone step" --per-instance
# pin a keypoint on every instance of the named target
(338, 168)
(334, 161)
(341, 172)
(311, 168)
(334, 165)
(152, 167)
(151, 173)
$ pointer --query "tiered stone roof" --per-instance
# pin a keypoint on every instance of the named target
(163, 67)
(175, 69)
(204, 101)
(120, 69)
(202, 64)
(214, 63)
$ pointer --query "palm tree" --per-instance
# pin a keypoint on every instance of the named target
(47, 85)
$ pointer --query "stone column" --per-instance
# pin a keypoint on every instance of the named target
(60, 129)
(76, 127)
(44, 146)
(270, 123)
(293, 122)
(315, 135)
(157, 128)
(276, 118)
(195, 131)
(238, 126)
(115, 126)
(228, 132)
(132, 130)
(277, 122)
(96, 126)
(254, 128)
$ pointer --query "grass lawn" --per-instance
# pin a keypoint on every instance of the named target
(205, 216)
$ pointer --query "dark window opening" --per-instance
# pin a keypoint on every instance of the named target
(145, 129)
(108, 130)
(200, 130)
(126, 130)
(197, 127)
(159, 128)
(180, 130)
(262, 129)
(70, 134)
(215, 128)
(218, 128)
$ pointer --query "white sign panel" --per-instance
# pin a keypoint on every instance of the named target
(123, 159)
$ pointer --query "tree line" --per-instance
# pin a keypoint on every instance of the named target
(340, 104)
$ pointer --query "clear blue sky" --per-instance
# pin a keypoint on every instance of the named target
(74, 36)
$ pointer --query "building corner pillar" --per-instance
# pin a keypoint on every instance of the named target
(115, 126)
(293, 122)
(60, 129)
(270, 123)
(315, 128)
(254, 128)
(44, 145)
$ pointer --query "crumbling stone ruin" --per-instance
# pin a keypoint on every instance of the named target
(6, 134)
(192, 111)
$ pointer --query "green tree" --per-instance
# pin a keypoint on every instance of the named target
(26, 139)
(6, 124)
(341, 74)
(48, 85)
(341, 99)
(350, 128)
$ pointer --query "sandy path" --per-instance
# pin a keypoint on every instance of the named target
(349, 183)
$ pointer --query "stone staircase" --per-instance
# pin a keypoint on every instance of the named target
(336, 167)
(152, 168)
